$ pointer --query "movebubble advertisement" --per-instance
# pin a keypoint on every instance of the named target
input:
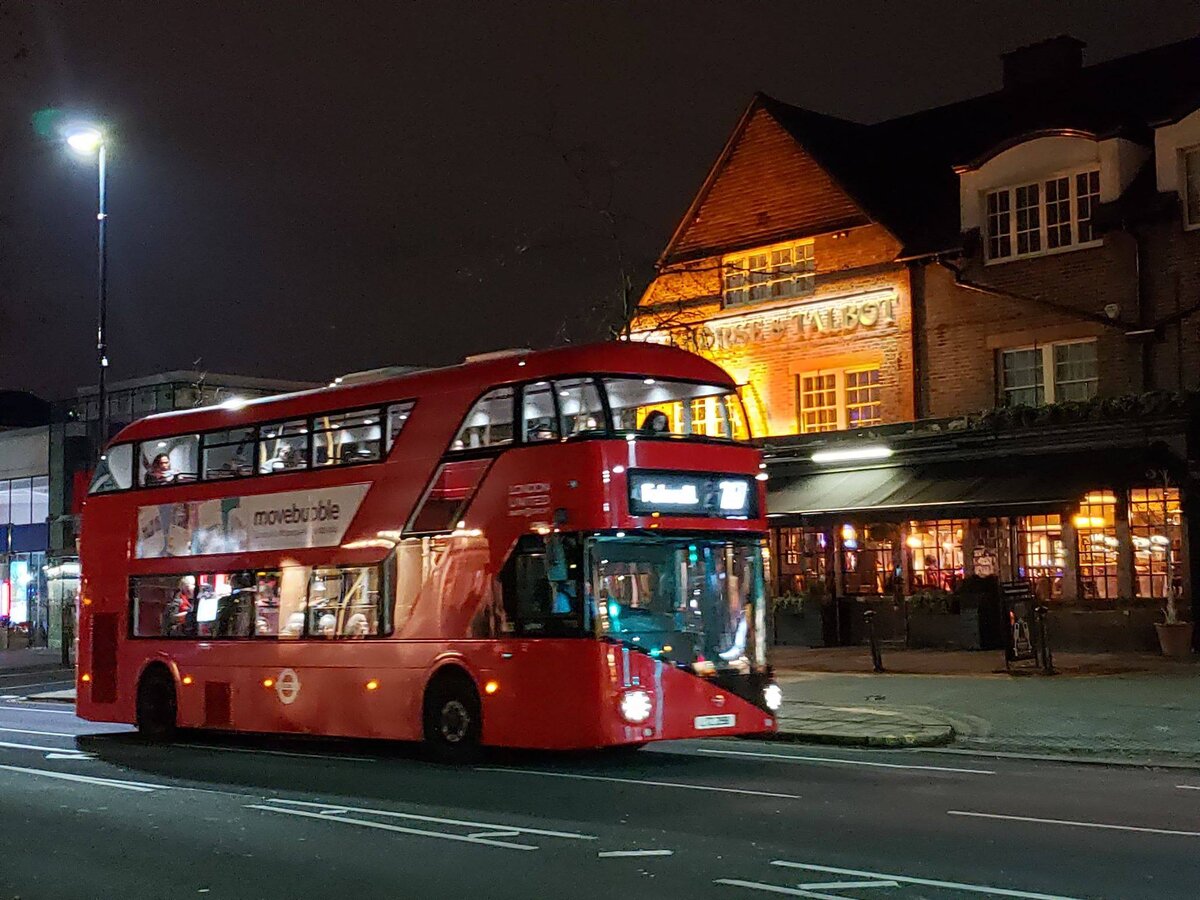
(283, 521)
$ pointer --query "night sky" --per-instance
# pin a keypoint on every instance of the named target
(303, 189)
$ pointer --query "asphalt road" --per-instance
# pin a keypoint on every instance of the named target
(89, 811)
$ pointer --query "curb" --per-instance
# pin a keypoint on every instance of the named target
(938, 737)
(49, 698)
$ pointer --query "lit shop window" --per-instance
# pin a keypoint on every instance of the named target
(1096, 537)
(1050, 215)
(1041, 554)
(1155, 527)
(866, 556)
(838, 400)
(802, 560)
(1074, 365)
(773, 273)
(935, 553)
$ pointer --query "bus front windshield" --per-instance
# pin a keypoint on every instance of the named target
(696, 602)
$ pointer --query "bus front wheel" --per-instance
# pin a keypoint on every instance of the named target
(453, 719)
(156, 708)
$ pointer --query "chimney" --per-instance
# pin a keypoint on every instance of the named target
(1055, 57)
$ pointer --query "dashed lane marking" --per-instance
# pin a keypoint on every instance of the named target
(778, 889)
(790, 757)
(1106, 826)
(1188, 787)
(28, 706)
(667, 784)
(138, 786)
(10, 745)
(42, 733)
(612, 854)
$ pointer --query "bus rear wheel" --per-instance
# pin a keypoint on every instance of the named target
(453, 718)
(156, 705)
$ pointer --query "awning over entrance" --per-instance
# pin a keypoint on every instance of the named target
(983, 488)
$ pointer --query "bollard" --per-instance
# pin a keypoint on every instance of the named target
(1043, 631)
(876, 656)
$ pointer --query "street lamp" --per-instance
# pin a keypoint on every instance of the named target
(88, 141)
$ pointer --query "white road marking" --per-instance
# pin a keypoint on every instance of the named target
(844, 885)
(139, 786)
(844, 762)
(670, 784)
(1103, 825)
(27, 706)
(43, 733)
(383, 826)
(69, 755)
(13, 746)
(494, 834)
(339, 808)
(37, 684)
(326, 757)
(1188, 787)
(610, 854)
(923, 882)
(778, 889)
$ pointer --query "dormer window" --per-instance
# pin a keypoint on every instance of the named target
(1043, 216)
(770, 273)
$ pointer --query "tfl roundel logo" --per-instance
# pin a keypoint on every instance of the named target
(287, 686)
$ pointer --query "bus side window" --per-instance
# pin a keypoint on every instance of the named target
(157, 602)
(293, 592)
(541, 587)
(580, 406)
(344, 603)
(168, 460)
(540, 419)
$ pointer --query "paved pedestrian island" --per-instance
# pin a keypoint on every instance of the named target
(861, 726)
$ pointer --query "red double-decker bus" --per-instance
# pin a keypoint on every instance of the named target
(558, 549)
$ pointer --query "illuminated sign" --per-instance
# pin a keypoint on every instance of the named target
(839, 317)
(692, 494)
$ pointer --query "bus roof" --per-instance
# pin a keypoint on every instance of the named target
(476, 375)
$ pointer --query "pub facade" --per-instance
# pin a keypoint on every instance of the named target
(970, 338)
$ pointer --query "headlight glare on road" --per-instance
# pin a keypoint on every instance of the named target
(773, 696)
(635, 706)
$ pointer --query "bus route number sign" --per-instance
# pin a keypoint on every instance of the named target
(710, 494)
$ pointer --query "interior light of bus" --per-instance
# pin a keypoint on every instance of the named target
(85, 677)
(186, 679)
(521, 363)
(372, 685)
(491, 687)
(648, 381)
(268, 682)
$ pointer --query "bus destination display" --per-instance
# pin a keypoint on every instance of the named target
(691, 494)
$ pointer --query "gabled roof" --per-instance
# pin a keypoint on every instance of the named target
(902, 172)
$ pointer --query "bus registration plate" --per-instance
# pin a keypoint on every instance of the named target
(722, 721)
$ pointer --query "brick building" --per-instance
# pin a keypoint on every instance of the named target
(970, 337)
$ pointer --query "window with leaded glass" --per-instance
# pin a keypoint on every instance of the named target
(773, 273)
(1029, 219)
(862, 398)
(818, 402)
(1022, 377)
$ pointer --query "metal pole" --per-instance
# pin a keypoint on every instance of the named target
(102, 312)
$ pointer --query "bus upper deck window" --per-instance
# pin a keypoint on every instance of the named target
(580, 407)
(541, 421)
(115, 471)
(663, 408)
(168, 460)
(489, 423)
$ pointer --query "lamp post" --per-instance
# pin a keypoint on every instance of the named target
(89, 141)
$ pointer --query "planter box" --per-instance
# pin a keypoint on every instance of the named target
(889, 619)
(1104, 630)
(799, 629)
(945, 631)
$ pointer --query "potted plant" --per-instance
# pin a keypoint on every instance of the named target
(1174, 636)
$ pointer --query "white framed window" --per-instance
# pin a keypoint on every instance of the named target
(839, 399)
(1190, 163)
(1049, 373)
(770, 273)
(1045, 216)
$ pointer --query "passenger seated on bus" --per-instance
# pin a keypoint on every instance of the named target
(178, 608)
(159, 471)
(542, 430)
(327, 626)
(656, 422)
(295, 625)
(286, 457)
(357, 626)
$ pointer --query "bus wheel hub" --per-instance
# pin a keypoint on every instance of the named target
(456, 721)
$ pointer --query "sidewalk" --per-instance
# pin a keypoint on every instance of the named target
(32, 659)
(970, 662)
(1150, 713)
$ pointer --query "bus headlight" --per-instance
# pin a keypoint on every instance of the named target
(635, 706)
(773, 696)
